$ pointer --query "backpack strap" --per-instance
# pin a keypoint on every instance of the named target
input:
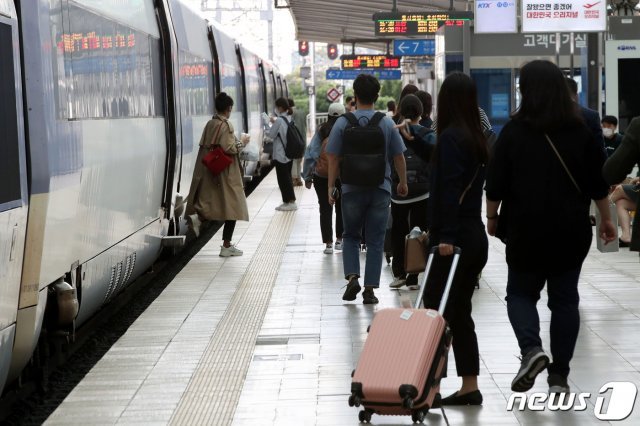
(351, 118)
(376, 119)
(372, 122)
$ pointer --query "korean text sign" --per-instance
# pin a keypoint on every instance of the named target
(545, 16)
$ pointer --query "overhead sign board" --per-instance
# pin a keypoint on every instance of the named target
(350, 62)
(410, 47)
(333, 74)
(416, 23)
(551, 16)
(496, 16)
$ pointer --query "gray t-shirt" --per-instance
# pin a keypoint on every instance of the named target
(395, 145)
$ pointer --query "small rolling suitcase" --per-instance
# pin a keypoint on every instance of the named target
(404, 357)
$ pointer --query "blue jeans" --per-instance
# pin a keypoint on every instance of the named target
(368, 208)
(523, 292)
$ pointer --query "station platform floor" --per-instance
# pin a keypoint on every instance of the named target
(265, 339)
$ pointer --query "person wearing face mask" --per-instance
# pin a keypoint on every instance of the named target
(612, 139)
(219, 197)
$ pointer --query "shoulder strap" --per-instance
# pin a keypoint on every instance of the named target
(215, 137)
(470, 184)
(351, 118)
(376, 119)
(563, 163)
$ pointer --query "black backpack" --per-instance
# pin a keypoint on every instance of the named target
(296, 145)
(417, 168)
(364, 149)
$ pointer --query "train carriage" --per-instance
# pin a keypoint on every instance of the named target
(102, 110)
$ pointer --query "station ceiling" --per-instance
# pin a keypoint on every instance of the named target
(334, 21)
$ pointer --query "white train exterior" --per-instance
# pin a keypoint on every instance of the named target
(103, 104)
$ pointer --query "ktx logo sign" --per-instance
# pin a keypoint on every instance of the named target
(621, 401)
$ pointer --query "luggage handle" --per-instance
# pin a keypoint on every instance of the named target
(445, 295)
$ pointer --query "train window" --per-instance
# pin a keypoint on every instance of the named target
(106, 69)
(9, 148)
(196, 85)
(134, 13)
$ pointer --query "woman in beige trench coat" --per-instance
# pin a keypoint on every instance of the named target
(219, 197)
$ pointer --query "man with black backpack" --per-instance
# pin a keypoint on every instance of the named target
(362, 145)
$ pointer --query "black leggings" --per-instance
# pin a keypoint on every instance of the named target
(404, 217)
(321, 185)
(227, 231)
(472, 240)
(285, 183)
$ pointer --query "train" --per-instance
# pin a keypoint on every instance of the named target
(102, 108)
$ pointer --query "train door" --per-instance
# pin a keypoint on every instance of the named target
(173, 118)
(13, 178)
(242, 83)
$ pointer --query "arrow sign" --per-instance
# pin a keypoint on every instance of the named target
(352, 74)
(414, 47)
(333, 74)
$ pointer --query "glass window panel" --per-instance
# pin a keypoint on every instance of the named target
(110, 70)
(9, 148)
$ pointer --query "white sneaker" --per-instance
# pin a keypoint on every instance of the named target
(328, 249)
(281, 207)
(398, 282)
(338, 245)
(230, 251)
(195, 223)
(288, 207)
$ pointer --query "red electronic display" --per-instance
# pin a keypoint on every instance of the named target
(416, 23)
(350, 62)
(77, 42)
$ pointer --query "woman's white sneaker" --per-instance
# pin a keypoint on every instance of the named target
(398, 282)
(230, 251)
(284, 207)
(338, 245)
(328, 249)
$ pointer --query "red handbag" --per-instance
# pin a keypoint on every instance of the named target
(216, 159)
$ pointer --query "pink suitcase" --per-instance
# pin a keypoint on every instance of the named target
(404, 358)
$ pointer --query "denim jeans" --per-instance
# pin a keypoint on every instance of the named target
(523, 292)
(368, 208)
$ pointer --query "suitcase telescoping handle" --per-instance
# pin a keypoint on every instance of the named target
(447, 288)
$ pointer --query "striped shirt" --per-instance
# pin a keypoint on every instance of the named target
(484, 120)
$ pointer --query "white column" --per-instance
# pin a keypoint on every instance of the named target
(312, 96)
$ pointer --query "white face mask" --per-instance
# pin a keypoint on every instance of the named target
(607, 132)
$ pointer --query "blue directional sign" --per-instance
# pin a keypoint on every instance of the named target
(333, 74)
(414, 47)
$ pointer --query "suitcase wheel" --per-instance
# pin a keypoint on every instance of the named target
(417, 416)
(407, 403)
(354, 401)
(364, 416)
